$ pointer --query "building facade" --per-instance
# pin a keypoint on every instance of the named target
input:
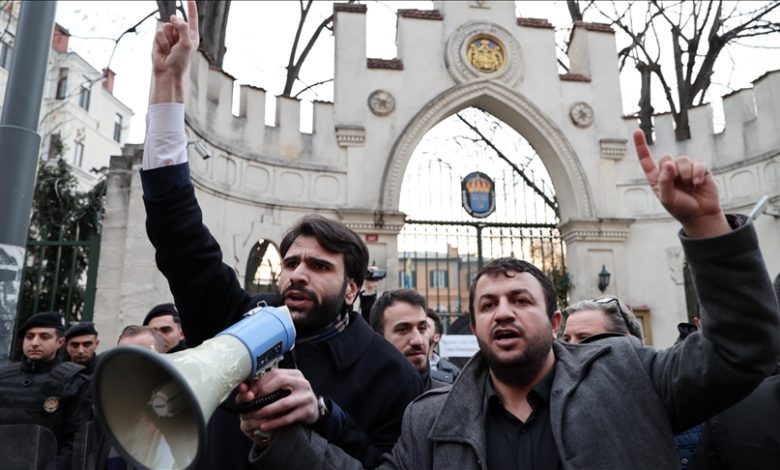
(260, 179)
(81, 120)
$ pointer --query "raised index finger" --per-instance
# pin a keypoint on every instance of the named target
(645, 157)
(192, 16)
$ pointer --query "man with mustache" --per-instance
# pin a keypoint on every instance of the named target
(350, 385)
(528, 401)
(399, 316)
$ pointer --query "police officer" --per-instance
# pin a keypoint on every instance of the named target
(81, 343)
(165, 319)
(43, 390)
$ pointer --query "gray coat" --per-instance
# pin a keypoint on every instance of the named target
(614, 403)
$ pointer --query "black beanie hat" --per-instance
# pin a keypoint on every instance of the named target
(162, 310)
(81, 329)
(44, 320)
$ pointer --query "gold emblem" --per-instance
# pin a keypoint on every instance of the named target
(51, 404)
(486, 54)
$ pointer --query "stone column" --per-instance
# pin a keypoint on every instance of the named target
(591, 244)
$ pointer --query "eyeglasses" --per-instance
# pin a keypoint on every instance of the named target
(620, 308)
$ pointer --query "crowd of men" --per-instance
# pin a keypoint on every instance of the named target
(548, 389)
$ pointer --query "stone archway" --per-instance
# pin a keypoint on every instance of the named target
(566, 172)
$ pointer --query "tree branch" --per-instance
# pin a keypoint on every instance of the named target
(549, 202)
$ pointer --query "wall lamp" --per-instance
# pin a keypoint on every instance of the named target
(202, 150)
(604, 276)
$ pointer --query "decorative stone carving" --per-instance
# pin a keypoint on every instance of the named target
(381, 102)
(613, 149)
(442, 107)
(350, 136)
(674, 260)
(483, 50)
(581, 114)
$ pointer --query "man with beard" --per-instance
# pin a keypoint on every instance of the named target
(399, 316)
(350, 385)
(527, 401)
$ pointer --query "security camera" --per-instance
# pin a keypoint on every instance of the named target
(202, 150)
(764, 207)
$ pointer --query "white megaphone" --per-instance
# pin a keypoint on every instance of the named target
(154, 407)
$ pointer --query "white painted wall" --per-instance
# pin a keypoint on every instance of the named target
(263, 178)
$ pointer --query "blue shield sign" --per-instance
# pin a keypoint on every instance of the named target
(479, 194)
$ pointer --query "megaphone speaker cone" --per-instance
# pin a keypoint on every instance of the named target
(154, 407)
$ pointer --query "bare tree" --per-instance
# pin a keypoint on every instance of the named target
(212, 24)
(699, 31)
(295, 62)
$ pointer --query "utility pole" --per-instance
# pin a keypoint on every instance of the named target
(19, 149)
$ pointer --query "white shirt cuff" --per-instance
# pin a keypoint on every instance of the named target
(166, 140)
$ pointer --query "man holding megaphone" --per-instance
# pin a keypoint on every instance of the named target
(350, 385)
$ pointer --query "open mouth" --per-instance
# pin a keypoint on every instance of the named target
(506, 336)
(296, 296)
(296, 299)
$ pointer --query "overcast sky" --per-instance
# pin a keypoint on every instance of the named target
(260, 34)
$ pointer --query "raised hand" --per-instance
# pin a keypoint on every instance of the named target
(300, 406)
(686, 189)
(174, 45)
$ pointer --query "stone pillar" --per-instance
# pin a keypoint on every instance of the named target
(379, 230)
(128, 282)
(591, 244)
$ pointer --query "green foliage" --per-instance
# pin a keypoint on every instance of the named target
(55, 276)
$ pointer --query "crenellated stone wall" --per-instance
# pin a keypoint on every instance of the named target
(260, 178)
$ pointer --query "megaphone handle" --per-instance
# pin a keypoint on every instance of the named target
(255, 404)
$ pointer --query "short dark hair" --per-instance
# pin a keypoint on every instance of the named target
(438, 327)
(509, 265)
(334, 237)
(388, 298)
(620, 319)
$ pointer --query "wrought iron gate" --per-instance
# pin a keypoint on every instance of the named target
(441, 246)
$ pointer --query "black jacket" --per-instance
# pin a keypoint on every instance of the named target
(747, 435)
(358, 370)
(51, 394)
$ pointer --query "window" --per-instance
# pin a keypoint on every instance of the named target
(85, 94)
(55, 146)
(6, 51)
(62, 84)
(118, 127)
(78, 154)
(438, 279)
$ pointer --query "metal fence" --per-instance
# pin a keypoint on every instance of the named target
(55, 277)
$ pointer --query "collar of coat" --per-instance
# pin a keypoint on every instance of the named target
(348, 346)
(460, 421)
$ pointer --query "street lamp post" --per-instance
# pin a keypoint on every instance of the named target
(19, 149)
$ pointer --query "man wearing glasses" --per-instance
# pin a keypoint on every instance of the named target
(589, 320)
(528, 401)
